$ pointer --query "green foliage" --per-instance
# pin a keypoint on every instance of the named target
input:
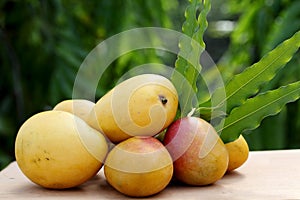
(249, 98)
(249, 115)
(247, 84)
(43, 44)
(260, 27)
(246, 107)
(191, 47)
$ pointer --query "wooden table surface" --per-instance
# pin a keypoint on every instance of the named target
(265, 175)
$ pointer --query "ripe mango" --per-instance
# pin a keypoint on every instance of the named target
(139, 167)
(78, 107)
(139, 106)
(57, 150)
(200, 156)
(238, 151)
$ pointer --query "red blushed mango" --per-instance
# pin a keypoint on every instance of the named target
(199, 155)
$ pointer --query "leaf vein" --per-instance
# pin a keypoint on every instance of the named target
(251, 113)
(254, 77)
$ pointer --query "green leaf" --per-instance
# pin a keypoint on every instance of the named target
(249, 115)
(191, 47)
(249, 82)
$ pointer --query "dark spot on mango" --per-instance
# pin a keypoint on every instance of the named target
(163, 99)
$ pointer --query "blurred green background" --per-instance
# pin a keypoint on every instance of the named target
(43, 43)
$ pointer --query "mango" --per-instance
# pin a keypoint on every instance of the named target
(58, 150)
(200, 156)
(139, 167)
(78, 107)
(238, 151)
(142, 105)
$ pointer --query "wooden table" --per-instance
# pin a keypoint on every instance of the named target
(266, 175)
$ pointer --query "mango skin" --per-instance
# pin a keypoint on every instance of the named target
(139, 167)
(78, 107)
(58, 150)
(140, 106)
(199, 155)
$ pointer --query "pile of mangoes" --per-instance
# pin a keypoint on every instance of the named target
(66, 146)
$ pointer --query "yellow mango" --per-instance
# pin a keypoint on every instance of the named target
(139, 167)
(57, 150)
(78, 107)
(140, 106)
(238, 151)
